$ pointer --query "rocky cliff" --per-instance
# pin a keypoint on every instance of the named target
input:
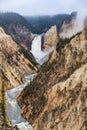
(15, 61)
(4, 122)
(57, 97)
(17, 26)
(50, 38)
(21, 35)
(69, 29)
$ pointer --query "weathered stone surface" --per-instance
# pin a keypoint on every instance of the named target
(57, 98)
(4, 122)
(66, 107)
(51, 37)
(70, 29)
(21, 35)
(14, 64)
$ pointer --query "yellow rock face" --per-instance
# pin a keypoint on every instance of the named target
(13, 63)
(51, 37)
(57, 98)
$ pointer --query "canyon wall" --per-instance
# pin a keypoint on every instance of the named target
(56, 99)
(15, 61)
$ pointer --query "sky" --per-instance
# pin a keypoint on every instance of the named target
(43, 7)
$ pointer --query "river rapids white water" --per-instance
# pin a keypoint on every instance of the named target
(13, 109)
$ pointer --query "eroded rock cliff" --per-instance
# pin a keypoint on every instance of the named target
(57, 98)
(4, 122)
(70, 28)
(21, 35)
(17, 27)
(51, 37)
(15, 61)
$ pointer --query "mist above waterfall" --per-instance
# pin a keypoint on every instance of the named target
(76, 25)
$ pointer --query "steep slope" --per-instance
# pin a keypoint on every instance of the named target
(71, 28)
(4, 122)
(66, 107)
(56, 99)
(15, 61)
(50, 38)
(17, 26)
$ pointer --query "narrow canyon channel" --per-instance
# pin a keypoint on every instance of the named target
(13, 109)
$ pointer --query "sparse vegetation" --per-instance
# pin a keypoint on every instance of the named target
(64, 41)
(31, 66)
(4, 122)
(28, 55)
(49, 66)
(3, 104)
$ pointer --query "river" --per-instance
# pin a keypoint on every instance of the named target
(13, 109)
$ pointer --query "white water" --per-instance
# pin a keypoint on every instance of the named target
(13, 109)
(41, 56)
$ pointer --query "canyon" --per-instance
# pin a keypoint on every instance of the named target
(15, 61)
(55, 97)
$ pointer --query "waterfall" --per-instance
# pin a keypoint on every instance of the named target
(13, 109)
(41, 56)
(36, 44)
